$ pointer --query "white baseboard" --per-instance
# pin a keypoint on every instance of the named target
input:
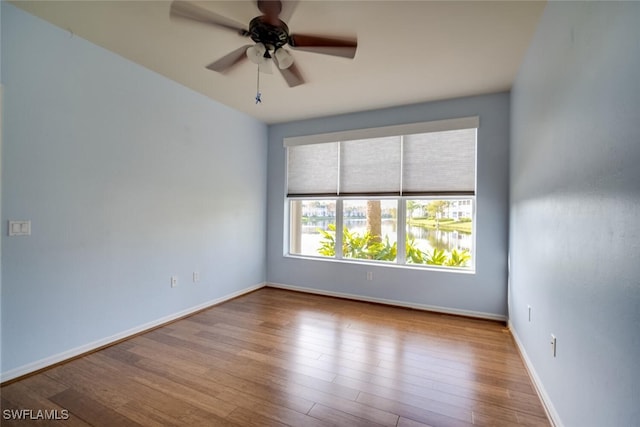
(74, 352)
(416, 306)
(552, 414)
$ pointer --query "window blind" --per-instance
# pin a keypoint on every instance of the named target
(439, 161)
(370, 166)
(313, 169)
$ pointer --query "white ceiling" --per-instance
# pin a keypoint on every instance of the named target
(408, 51)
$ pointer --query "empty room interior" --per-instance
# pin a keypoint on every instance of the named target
(316, 213)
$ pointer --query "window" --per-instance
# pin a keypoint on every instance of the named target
(396, 195)
(311, 222)
(370, 229)
(439, 232)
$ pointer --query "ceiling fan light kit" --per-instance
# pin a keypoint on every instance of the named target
(284, 58)
(270, 34)
(256, 53)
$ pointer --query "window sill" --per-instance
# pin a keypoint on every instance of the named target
(363, 262)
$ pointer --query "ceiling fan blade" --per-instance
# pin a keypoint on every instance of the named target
(345, 48)
(270, 9)
(288, 8)
(291, 75)
(275, 11)
(187, 10)
(229, 60)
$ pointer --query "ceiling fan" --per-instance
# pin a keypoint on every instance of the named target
(270, 34)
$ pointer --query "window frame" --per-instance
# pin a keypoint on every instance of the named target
(471, 122)
(401, 232)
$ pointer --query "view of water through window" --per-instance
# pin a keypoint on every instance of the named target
(426, 239)
(436, 232)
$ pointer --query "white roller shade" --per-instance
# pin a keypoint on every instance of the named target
(440, 162)
(434, 158)
(313, 169)
(370, 166)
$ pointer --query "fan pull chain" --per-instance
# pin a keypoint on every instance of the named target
(258, 94)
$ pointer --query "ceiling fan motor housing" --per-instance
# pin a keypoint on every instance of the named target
(272, 36)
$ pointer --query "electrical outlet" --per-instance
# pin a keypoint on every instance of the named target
(196, 276)
(554, 342)
(174, 281)
(369, 275)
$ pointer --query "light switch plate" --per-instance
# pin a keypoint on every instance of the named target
(19, 228)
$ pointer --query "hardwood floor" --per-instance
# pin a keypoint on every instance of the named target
(276, 358)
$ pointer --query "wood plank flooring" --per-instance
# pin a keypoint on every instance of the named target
(282, 358)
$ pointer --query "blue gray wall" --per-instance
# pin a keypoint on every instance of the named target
(482, 293)
(575, 206)
(128, 178)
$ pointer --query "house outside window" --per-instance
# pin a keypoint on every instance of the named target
(401, 195)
